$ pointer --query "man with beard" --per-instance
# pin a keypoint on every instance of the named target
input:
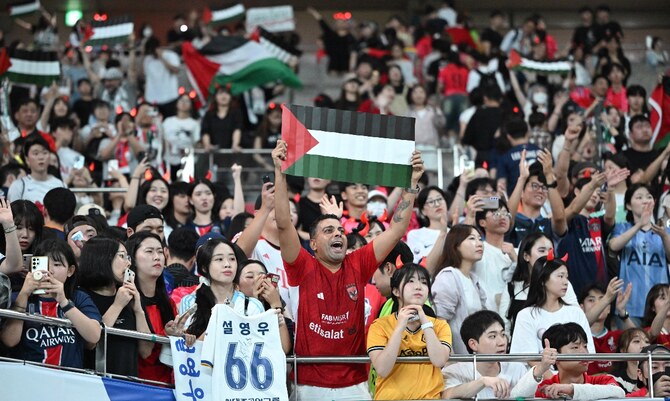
(330, 318)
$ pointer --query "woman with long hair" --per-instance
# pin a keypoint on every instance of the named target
(432, 206)
(178, 211)
(202, 197)
(29, 224)
(546, 307)
(411, 328)
(148, 263)
(642, 247)
(222, 124)
(217, 263)
(253, 281)
(456, 289)
(625, 373)
(182, 132)
(104, 275)
(52, 293)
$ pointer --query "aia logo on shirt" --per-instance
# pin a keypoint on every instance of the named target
(352, 291)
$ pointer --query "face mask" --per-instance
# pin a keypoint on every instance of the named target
(147, 32)
(540, 98)
(376, 208)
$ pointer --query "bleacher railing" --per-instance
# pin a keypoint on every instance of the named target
(101, 363)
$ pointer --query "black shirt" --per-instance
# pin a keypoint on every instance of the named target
(220, 130)
(338, 48)
(83, 109)
(122, 352)
(640, 160)
(481, 130)
(309, 211)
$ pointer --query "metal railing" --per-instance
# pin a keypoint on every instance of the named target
(101, 362)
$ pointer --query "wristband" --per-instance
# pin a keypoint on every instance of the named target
(625, 316)
(11, 229)
(538, 378)
(427, 325)
(67, 307)
(553, 184)
(412, 190)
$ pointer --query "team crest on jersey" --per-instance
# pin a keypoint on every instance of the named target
(352, 291)
(594, 226)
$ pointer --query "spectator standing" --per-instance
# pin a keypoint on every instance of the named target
(161, 67)
(331, 307)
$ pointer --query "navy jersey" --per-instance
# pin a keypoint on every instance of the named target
(55, 345)
(586, 251)
(507, 165)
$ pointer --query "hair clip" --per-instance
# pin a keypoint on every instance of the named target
(565, 258)
(208, 176)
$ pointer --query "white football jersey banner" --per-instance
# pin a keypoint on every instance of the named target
(241, 358)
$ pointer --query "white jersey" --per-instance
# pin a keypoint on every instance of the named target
(270, 255)
(241, 357)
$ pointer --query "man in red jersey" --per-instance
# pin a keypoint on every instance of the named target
(330, 318)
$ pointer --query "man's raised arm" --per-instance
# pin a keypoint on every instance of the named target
(388, 239)
(288, 236)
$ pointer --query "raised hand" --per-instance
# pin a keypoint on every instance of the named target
(417, 168)
(524, 172)
(236, 171)
(544, 157)
(614, 177)
(330, 206)
(622, 299)
(268, 196)
(549, 355)
(279, 153)
(6, 216)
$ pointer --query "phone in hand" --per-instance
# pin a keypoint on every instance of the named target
(39, 265)
(78, 163)
(112, 165)
(26, 261)
(413, 318)
(491, 202)
(78, 236)
(128, 276)
(266, 179)
(274, 278)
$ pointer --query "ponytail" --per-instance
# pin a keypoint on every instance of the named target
(205, 299)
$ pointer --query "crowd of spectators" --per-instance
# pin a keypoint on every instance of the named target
(553, 238)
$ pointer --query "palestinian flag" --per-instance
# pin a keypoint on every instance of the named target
(223, 16)
(275, 46)
(33, 67)
(538, 67)
(110, 32)
(5, 62)
(23, 8)
(242, 63)
(348, 146)
(659, 116)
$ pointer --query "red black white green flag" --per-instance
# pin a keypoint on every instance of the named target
(23, 8)
(225, 15)
(659, 116)
(539, 67)
(348, 146)
(33, 67)
(110, 32)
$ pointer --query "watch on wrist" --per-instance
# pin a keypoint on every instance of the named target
(553, 184)
(67, 307)
(413, 190)
(625, 315)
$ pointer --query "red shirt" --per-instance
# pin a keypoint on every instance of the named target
(455, 79)
(330, 317)
(600, 380)
(151, 368)
(375, 300)
(617, 99)
(606, 344)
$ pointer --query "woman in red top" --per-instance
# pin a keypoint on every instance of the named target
(148, 262)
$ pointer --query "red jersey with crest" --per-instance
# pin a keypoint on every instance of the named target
(605, 344)
(330, 317)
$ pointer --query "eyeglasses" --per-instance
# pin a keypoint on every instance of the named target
(538, 187)
(500, 215)
(123, 255)
(434, 202)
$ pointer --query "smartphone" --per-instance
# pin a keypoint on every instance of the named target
(26, 261)
(129, 276)
(413, 318)
(78, 163)
(39, 264)
(112, 165)
(78, 236)
(266, 179)
(274, 278)
(468, 165)
(491, 203)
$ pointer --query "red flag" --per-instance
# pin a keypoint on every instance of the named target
(5, 62)
(201, 69)
(206, 15)
(659, 116)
